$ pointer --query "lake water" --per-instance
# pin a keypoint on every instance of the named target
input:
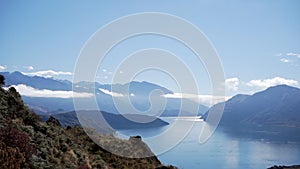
(222, 151)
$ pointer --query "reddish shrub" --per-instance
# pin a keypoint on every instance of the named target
(83, 167)
(19, 140)
(11, 157)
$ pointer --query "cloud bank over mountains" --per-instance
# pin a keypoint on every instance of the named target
(265, 83)
(47, 73)
(2, 67)
(32, 92)
(233, 86)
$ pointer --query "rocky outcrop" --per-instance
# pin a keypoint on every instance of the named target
(285, 167)
(52, 120)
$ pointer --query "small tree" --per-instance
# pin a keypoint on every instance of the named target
(12, 90)
(2, 79)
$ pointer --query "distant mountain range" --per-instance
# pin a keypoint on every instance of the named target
(139, 91)
(36, 82)
(275, 106)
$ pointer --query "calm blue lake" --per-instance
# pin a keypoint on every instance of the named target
(223, 150)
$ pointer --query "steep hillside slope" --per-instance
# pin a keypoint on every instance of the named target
(26, 142)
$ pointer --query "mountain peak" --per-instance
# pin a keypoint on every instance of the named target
(16, 73)
(239, 97)
(277, 105)
(278, 91)
(282, 87)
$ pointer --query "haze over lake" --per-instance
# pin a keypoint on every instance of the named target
(224, 149)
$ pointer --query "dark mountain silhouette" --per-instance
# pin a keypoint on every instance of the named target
(275, 106)
(116, 121)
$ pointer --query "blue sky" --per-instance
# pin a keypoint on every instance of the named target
(257, 41)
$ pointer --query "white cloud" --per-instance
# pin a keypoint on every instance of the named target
(111, 93)
(265, 83)
(285, 60)
(293, 54)
(232, 83)
(28, 67)
(289, 57)
(2, 68)
(207, 100)
(32, 92)
(105, 74)
(47, 73)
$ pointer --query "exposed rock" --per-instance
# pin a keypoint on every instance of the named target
(135, 138)
(285, 167)
(166, 167)
(53, 120)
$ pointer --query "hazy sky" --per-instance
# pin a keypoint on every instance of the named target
(257, 41)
